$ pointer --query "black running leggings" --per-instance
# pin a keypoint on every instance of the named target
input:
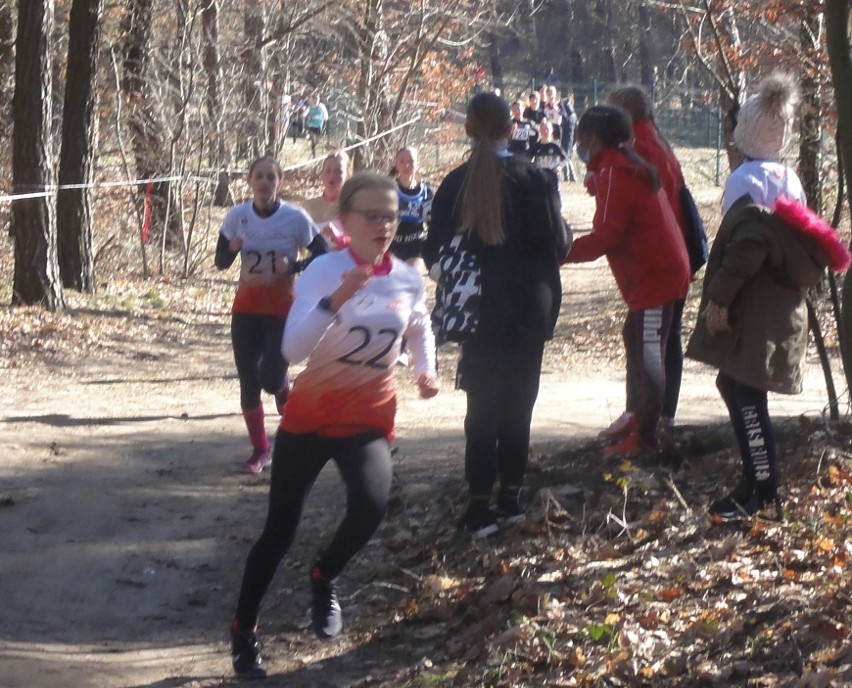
(674, 361)
(501, 381)
(257, 353)
(752, 425)
(364, 462)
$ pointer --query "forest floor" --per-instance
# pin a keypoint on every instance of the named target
(125, 521)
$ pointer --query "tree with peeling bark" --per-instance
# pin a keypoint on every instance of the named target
(840, 57)
(76, 161)
(33, 221)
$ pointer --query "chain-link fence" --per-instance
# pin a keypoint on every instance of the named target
(687, 117)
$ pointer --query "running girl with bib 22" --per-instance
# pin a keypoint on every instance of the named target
(267, 234)
(351, 311)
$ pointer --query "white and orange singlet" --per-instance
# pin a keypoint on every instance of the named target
(347, 386)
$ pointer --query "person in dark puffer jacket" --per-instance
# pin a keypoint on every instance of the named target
(753, 324)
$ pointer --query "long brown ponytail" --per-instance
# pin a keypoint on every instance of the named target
(488, 120)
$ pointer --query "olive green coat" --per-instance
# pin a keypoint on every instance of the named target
(761, 268)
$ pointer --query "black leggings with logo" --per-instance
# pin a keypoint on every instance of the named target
(752, 425)
(364, 462)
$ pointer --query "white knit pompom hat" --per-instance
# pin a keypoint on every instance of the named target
(765, 121)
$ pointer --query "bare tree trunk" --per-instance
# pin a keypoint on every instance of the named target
(533, 31)
(837, 38)
(837, 35)
(722, 30)
(810, 148)
(495, 62)
(730, 106)
(79, 139)
(610, 69)
(367, 32)
(148, 137)
(7, 63)
(647, 59)
(219, 157)
(36, 279)
(253, 78)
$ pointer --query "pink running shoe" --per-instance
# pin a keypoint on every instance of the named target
(258, 460)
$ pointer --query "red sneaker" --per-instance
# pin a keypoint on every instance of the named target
(629, 446)
(621, 426)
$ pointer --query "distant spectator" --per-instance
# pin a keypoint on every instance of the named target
(524, 134)
(533, 111)
(316, 118)
(553, 111)
(297, 116)
(547, 154)
(569, 127)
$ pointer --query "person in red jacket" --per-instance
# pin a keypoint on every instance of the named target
(636, 229)
(650, 144)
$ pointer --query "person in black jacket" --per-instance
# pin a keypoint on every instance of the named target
(520, 243)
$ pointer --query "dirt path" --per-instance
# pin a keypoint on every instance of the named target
(125, 523)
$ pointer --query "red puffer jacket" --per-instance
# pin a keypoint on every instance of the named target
(635, 228)
(648, 143)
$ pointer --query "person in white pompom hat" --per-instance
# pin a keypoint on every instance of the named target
(763, 132)
(753, 328)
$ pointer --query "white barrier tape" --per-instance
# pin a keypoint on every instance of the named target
(375, 137)
(18, 197)
(51, 189)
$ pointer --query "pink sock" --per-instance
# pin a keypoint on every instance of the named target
(256, 428)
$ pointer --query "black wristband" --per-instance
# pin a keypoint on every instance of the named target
(324, 304)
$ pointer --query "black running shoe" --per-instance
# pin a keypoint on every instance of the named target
(245, 653)
(325, 609)
(479, 520)
(740, 505)
(731, 505)
(509, 505)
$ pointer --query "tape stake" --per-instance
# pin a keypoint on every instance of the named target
(146, 216)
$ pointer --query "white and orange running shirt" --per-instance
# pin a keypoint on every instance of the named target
(283, 233)
(347, 386)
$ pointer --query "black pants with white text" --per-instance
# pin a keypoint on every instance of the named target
(752, 425)
(645, 335)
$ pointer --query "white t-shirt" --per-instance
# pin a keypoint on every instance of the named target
(552, 112)
(283, 233)
(764, 181)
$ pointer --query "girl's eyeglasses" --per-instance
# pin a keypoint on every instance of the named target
(376, 218)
